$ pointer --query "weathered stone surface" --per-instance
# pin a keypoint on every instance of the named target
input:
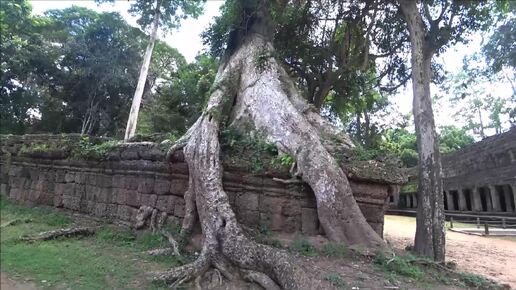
(309, 221)
(115, 189)
(161, 186)
(247, 201)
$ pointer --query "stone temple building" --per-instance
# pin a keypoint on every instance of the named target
(478, 178)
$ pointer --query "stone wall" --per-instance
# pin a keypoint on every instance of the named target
(482, 176)
(137, 175)
(478, 178)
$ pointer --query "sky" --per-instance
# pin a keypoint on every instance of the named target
(188, 42)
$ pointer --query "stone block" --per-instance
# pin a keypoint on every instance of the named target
(105, 195)
(291, 208)
(60, 176)
(161, 186)
(129, 154)
(246, 201)
(118, 181)
(146, 185)
(178, 186)
(58, 200)
(69, 189)
(270, 204)
(292, 224)
(79, 190)
(132, 198)
(249, 217)
(148, 199)
(126, 213)
(101, 210)
(309, 221)
(80, 178)
(166, 203)
(71, 202)
(179, 208)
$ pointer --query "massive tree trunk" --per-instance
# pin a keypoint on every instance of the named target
(251, 91)
(430, 234)
(140, 87)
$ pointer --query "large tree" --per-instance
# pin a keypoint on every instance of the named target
(252, 92)
(433, 25)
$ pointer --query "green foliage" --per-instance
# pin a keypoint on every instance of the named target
(476, 281)
(179, 101)
(400, 265)
(264, 236)
(248, 150)
(336, 280)
(303, 247)
(335, 250)
(88, 148)
(261, 60)
(171, 12)
(111, 259)
(26, 149)
(453, 138)
(286, 160)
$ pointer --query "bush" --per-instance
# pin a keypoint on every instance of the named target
(336, 281)
(303, 247)
(335, 250)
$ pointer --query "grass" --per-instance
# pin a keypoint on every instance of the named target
(113, 258)
(336, 281)
(303, 247)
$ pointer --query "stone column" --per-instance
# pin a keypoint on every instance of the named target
(462, 200)
(449, 200)
(495, 199)
(414, 198)
(476, 203)
(507, 196)
(512, 187)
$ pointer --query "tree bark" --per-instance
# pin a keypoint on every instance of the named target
(430, 234)
(137, 98)
(262, 97)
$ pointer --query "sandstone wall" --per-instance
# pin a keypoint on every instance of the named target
(137, 175)
(490, 161)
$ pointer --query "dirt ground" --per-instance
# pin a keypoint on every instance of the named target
(9, 284)
(492, 257)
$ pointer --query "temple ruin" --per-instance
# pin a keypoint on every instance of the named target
(478, 178)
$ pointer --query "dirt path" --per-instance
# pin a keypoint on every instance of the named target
(491, 257)
(9, 284)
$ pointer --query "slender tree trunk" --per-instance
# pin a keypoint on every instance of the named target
(482, 135)
(430, 234)
(137, 99)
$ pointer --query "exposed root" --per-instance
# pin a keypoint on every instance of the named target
(156, 218)
(15, 222)
(260, 279)
(288, 181)
(173, 243)
(185, 273)
(160, 252)
(66, 232)
(144, 212)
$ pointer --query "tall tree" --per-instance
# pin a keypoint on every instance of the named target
(252, 93)
(433, 25)
(165, 14)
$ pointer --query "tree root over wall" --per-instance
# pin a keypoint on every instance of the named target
(264, 97)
